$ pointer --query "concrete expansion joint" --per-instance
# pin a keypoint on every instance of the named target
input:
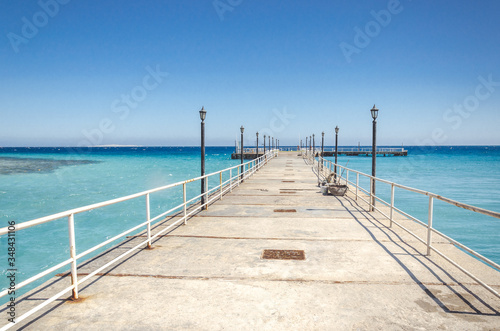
(276, 238)
(288, 280)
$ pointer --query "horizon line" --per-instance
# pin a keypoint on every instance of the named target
(249, 146)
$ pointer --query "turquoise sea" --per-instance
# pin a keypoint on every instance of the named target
(36, 182)
(468, 174)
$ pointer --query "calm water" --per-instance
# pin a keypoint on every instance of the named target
(37, 182)
(469, 174)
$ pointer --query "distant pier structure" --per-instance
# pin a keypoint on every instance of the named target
(355, 151)
(250, 153)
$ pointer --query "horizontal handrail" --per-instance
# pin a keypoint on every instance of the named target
(363, 149)
(237, 174)
(79, 210)
(339, 170)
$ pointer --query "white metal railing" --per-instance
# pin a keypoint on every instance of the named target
(236, 175)
(326, 167)
(363, 149)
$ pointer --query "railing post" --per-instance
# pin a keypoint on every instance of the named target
(72, 252)
(392, 204)
(347, 177)
(184, 199)
(206, 194)
(230, 180)
(357, 184)
(148, 218)
(220, 180)
(318, 173)
(429, 225)
(371, 195)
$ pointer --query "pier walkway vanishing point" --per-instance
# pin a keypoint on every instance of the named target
(212, 274)
(249, 153)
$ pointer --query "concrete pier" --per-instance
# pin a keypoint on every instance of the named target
(358, 274)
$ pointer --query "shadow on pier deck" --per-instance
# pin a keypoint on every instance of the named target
(210, 274)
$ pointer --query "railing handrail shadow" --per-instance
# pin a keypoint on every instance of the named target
(237, 174)
(338, 170)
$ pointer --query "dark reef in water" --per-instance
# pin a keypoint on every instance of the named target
(14, 165)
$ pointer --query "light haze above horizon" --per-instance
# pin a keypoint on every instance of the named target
(130, 73)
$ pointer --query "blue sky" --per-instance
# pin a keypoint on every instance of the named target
(137, 73)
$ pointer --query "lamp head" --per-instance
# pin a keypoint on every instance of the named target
(337, 129)
(242, 129)
(374, 112)
(203, 114)
(322, 134)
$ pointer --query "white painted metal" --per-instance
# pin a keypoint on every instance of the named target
(430, 229)
(429, 225)
(72, 252)
(357, 185)
(184, 201)
(148, 219)
(72, 236)
(392, 205)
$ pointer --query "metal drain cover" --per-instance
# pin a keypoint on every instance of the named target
(285, 211)
(288, 181)
(282, 254)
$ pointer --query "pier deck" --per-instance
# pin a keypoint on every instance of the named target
(210, 274)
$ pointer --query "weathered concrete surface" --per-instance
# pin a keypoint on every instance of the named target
(209, 274)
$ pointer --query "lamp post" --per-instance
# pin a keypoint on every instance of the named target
(241, 151)
(269, 142)
(310, 143)
(257, 146)
(264, 144)
(306, 146)
(203, 115)
(374, 112)
(336, 150)
(314, 147)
